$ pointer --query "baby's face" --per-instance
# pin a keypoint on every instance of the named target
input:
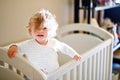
(40, 33)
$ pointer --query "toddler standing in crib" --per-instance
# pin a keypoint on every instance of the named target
(42, 50)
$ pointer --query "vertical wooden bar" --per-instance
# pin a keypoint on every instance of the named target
(94, 67)
(98, 66)
(110, 62)
(68, 76)
(101, 64)
(79, 72)
(74, 74)
(89, 68)
(104, 63)
(85, 70)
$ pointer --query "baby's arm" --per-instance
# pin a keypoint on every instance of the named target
(64, 48)
(12, 51)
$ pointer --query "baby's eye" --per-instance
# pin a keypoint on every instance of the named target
(44, 28)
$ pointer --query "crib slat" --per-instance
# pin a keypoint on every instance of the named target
(98, 66)
(79, 72)
(94, 68)
(107, 64)
(101, 64)
(85, 70)
(68, 76)
(60, 78)
(109, 58)
(89, 68)
(104, 64)
(74, 74)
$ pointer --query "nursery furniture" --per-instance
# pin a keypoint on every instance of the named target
(92, 43)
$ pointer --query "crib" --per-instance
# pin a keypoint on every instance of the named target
(92, 43)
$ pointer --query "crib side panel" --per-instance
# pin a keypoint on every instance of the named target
(20, 66)
(95, 46)
(95, 65)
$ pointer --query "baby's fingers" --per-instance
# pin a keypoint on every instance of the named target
(11, 54)
(77, 57)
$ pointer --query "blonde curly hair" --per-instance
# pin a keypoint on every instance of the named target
(47, 19)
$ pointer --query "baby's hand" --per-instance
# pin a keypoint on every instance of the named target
(77, 57)
(12, 51)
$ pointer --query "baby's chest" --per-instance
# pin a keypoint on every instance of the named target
(41, 54)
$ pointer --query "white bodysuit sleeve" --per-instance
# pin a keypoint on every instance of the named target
(66, 49)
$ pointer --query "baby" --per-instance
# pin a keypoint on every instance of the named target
(42, 50)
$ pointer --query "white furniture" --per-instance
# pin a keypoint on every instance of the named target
(94, 45)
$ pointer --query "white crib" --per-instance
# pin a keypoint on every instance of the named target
(93, 44)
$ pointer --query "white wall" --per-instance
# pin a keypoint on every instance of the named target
(15, 14)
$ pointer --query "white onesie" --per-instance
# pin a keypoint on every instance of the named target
(45, 57)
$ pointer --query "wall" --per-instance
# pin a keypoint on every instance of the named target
(14, 16)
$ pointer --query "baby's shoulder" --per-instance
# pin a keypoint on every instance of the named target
(54, 40)
(26, 42)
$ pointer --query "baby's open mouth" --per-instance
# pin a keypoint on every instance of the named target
(40, 35)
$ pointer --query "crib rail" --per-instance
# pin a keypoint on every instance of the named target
(94, 65)
(19, 66)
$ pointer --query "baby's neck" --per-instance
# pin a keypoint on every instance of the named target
(43, 42)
